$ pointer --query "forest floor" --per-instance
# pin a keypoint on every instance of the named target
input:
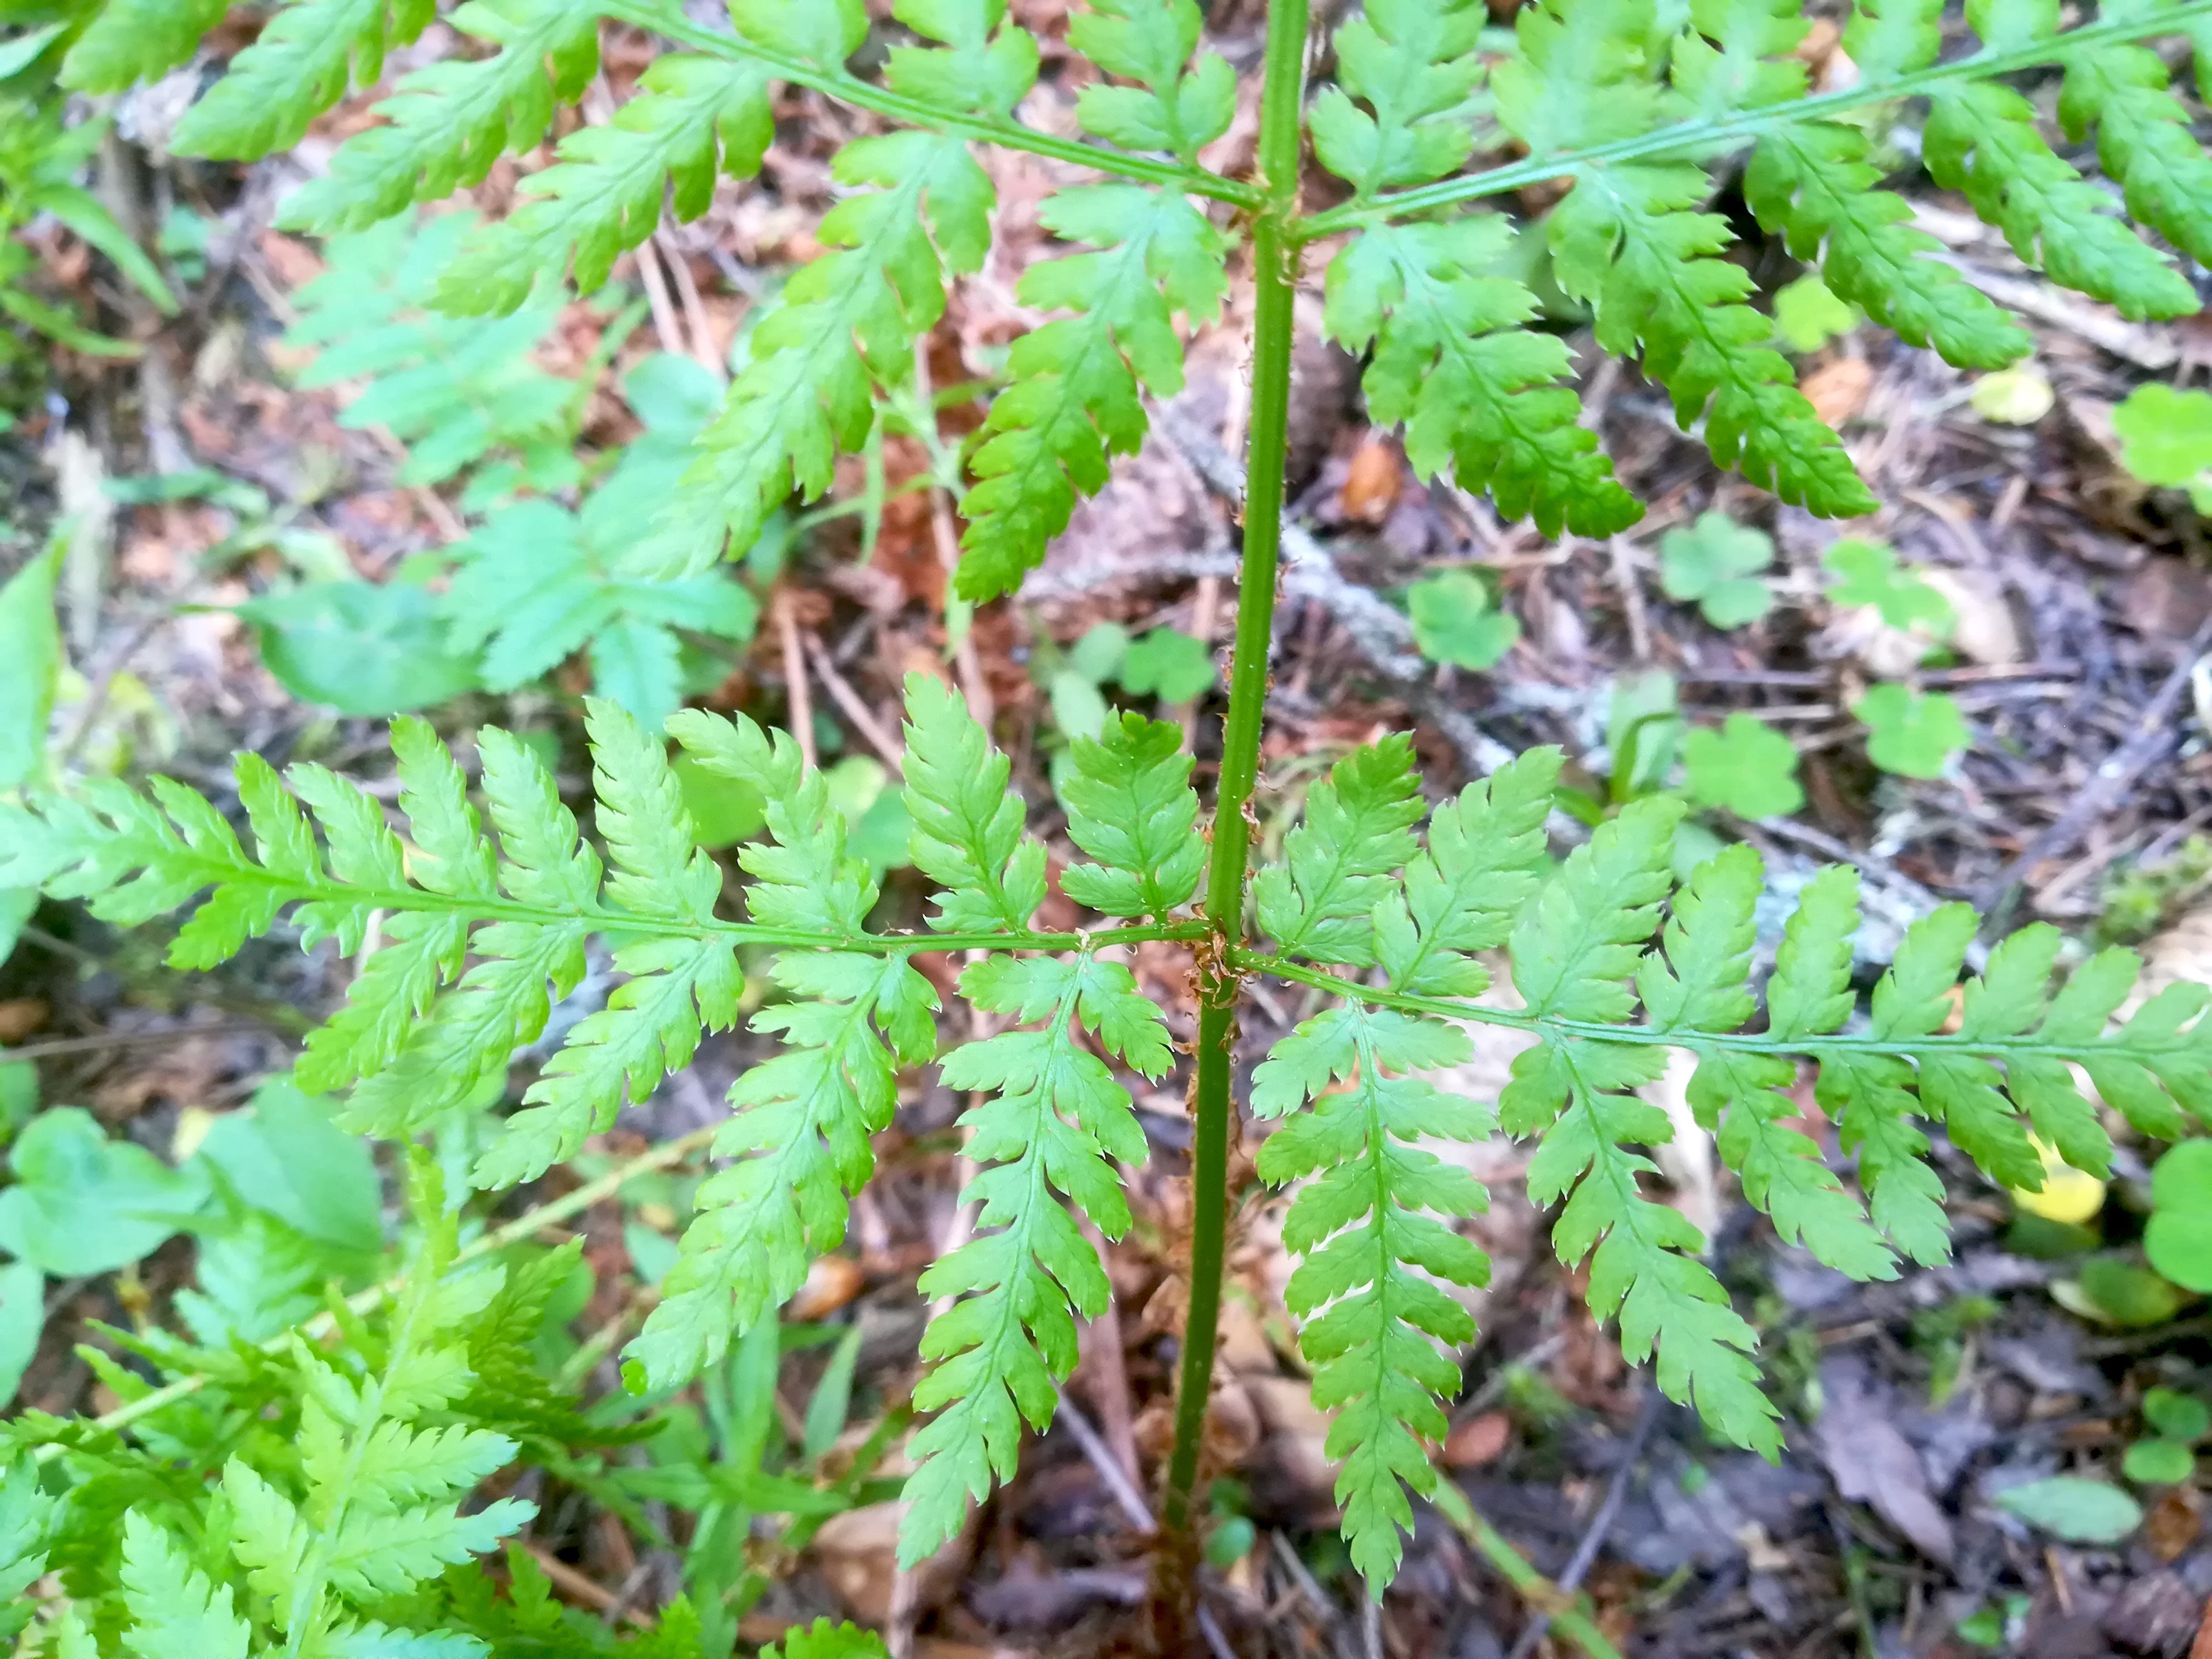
(2084, 610)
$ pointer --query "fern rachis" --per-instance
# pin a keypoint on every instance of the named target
(1381, 898)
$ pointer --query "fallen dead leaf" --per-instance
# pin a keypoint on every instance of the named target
(1984, 631)
(21, 1016)
(2174, 1522)
(831, 1282)
(859, 1553)
(1872, 1463)
(1370, 488)
(1477, 1441)
(1837, 390)
(2169, 597)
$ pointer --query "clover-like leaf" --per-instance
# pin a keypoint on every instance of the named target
(1746, 767)
(1169, 664)
(1911, 734)
(1868, 573)
(1808, 314)
(2165, 435)
(1455, 622)
(1714, 563)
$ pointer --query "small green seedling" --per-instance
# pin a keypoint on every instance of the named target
(2167, 1457)
(1170, 665)
(1808, 314)
(1868, 573)
(1455, 622)
(2178, 1236)
(1915, 735)
(1714, 563)
(1746, 768)
(2073, 1509)
(2166, 439)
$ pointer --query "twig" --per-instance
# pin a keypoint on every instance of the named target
(1601, 1526)
(1110, 1469)
(841, 694)
(584, 1587)
(694, 308)
(801, 712)
(2153, 735)
(1515, 1568)
(1631, 595)
(967, 665)
(85, 1045)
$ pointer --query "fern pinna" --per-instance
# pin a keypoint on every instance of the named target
(1645, 112)
(1613, 965)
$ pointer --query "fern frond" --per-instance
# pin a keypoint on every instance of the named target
(1476, 868)
(1628, 241)
(1130, 806)
(1055, 1117)
(1573, 950)
(1476, 392)
(802, 1119)
(1701, 983)
(1412, 64)
(449, 121)
(175, 1611)
(968, 824)
(27, 1514)
(677, 986)
(302, 62)
(1181, 108)
(691, 120)
(845, 324)
(131, 40)
(1367, 1231)
(1317, 901)
(1073, 403)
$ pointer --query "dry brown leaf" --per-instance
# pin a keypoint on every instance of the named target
(859, 1553)
(1477, 1441)
(1370, 488)
(1984, 631)
(21, 1016)
(2174, 1522)
(2169, 597)
(831, 1282)
(1837, 390)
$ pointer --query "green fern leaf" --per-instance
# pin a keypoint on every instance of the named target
(306, 56)
(845, 324)
(966, 833)
(800, 1134)
(677, 986)
(175, 1613)
(1318, 902)
(448, 122)
(1179, 109)
(1571, 951)
(26, 1517)
(1627, 240)
(1703, 984)
(1073, 403)
(1981, 139)
(2144, 140)
(128, 41)
(1477, 392)
(691, 120)
(1130, 806)
(824, 1640)
(1480, 865)
(1412, 64)
(1813, 182)
(1372, 1244)
(982, 64)
(803, 1118)
(1055, 1119)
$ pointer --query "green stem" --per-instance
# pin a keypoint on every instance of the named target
(1567, 1615)
(1274, 260)
(1682, 137)
(1758, 1043)
(848, 89)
